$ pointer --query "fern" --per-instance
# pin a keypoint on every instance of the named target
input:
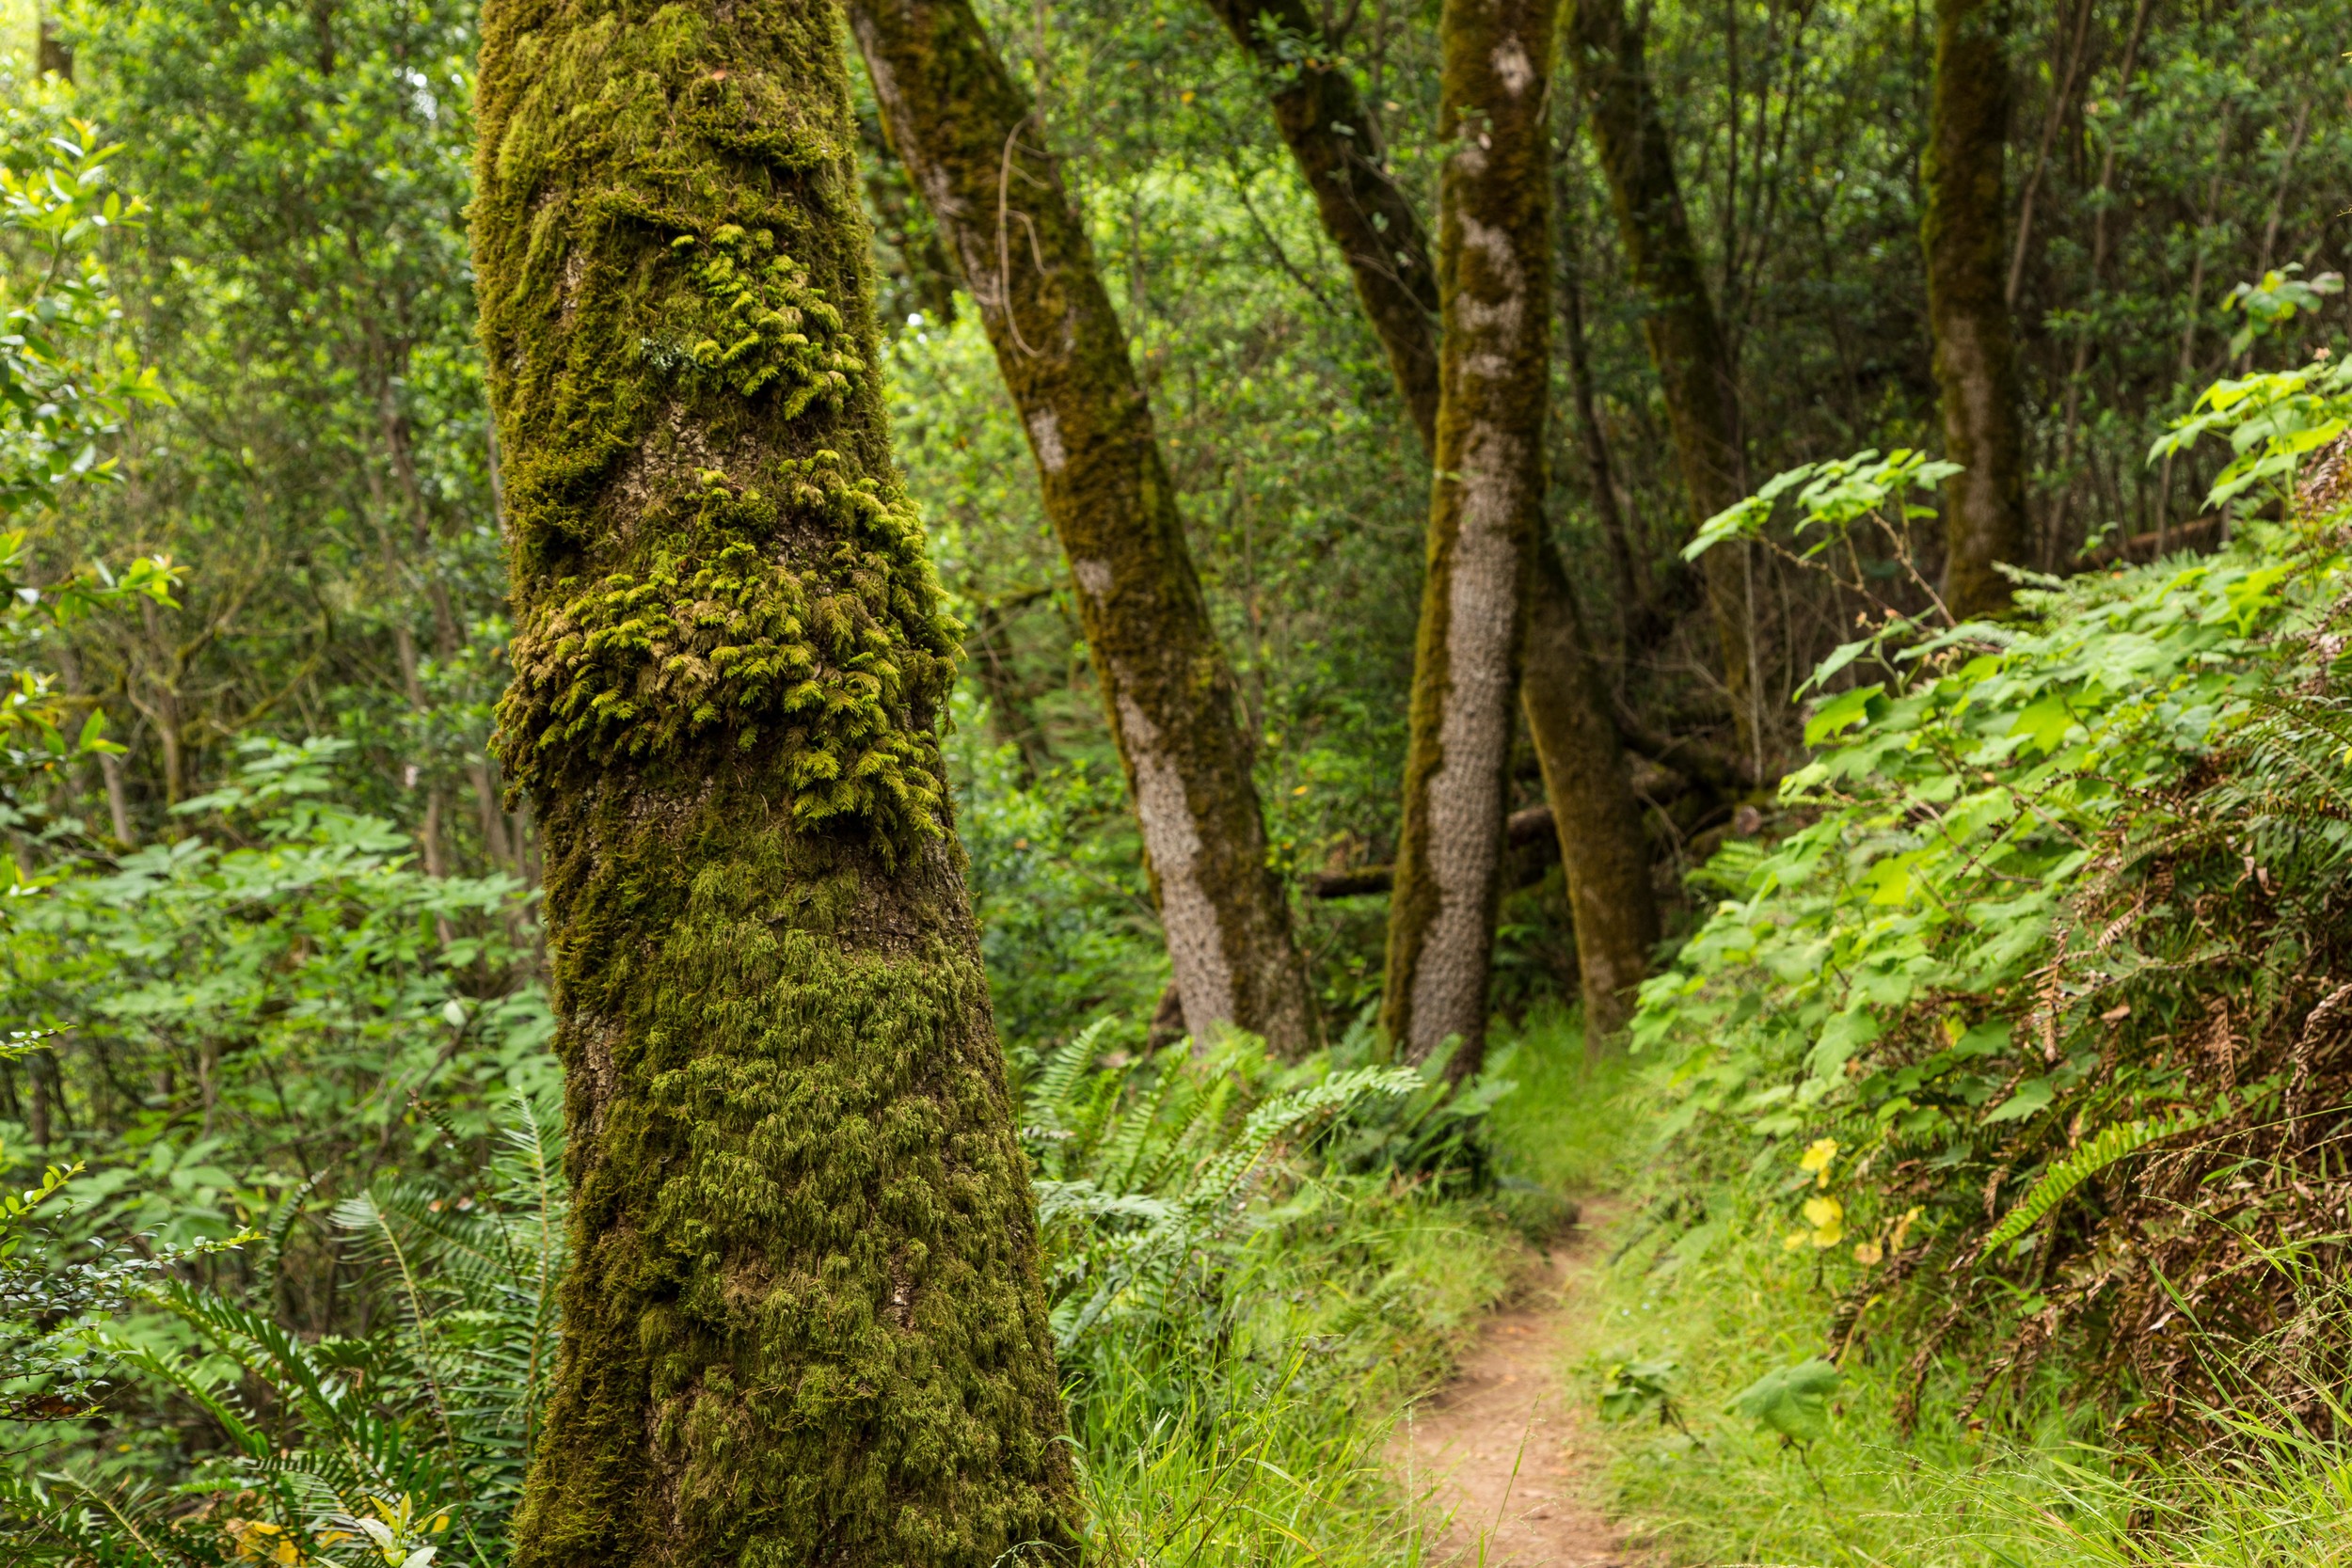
(419, 1436)
(1146, 1200)
(1046, 1098)
(2118, 1142)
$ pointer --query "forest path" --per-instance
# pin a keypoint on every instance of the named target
(1505, 1452)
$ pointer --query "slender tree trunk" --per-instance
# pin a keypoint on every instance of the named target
(1485, 515)
(1976, 361)
(973, 142)
(1607, 54)
(448, 635)
(2085, 333)
(804, 1322)
(109, 765)
(1377, 228)
(1602, 847)
(1335, 142)
(165, 712)
(1635, 611)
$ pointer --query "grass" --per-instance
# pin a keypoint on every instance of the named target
(1260, 1433)
(1252, 1425)
(1708, 1288)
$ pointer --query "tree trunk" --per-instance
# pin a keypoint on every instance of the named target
(1636, 615)
(1366, 215)
(1976, 369)
(974, 145)
(804, 1322)
(1375, 227)
(1607, 54)
(1486, 513)
(1602, 847)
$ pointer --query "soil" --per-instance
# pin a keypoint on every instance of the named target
(1503, 1452)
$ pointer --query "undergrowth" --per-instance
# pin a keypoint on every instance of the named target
(2004, 1093)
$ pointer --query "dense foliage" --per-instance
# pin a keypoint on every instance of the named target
(2012, 1016)
(2033, 999)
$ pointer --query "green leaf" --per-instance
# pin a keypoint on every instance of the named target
(1791, 1401)
(2044, 723)
(1634, 1387)
(1841, 712)
(2031, 1096)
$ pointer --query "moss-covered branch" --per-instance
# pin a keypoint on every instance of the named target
(977, 153)
(804, 1322)
(1976, 359)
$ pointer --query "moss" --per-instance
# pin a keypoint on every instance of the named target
(1494, 261)
(805, 1320)
(819, 668)
(966, 132)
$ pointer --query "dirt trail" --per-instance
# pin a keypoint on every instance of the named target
(1504, 1451)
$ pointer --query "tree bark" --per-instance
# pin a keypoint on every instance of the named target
(1607, 54)
(1376, 227)
(1602, 847)
(804, 1322)
(1486, 515)
(971, 138)
(1335, 144)
(1976, 369)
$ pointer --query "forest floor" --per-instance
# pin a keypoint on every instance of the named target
(1505, 1452)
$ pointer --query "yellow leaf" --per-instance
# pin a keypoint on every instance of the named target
(1827, 1216)
(1868, 1253)
(1817, 1159)
(1792, 1241)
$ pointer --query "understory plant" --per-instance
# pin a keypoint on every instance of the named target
(2028, 1020)
(406, 1445)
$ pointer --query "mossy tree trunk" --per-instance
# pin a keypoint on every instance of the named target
(804, 1322)
(1377, 228)
(1603, 849)
(1486, 517)
(969, 135)
(1607, 54)
(1975, 368)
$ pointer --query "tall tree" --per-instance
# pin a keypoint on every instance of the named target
(1336, 146)
(1976, 359)
(1378, 229)
(1485, 515)
(805, 1322)
(972, 140)
(1608, 55)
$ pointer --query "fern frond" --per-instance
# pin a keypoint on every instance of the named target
(1049, 1092)
(2118, 1142)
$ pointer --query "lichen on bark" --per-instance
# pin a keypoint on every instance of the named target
(1494, 254)
(1377, 230)
(804, 1322)
(1976, 357)
(976, 150)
